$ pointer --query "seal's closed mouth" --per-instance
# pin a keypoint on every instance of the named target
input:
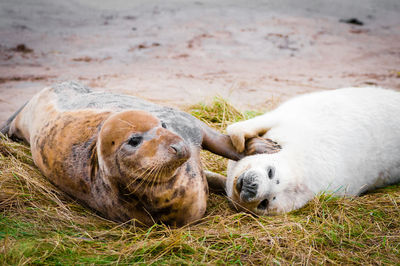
(115, 154)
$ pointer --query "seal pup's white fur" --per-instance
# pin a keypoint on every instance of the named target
(345, 141)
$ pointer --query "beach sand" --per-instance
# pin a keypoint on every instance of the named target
(178, 53)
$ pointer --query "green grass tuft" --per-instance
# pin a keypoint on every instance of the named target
(220, 113)
(41, 225)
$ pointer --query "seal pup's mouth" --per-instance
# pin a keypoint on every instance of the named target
(255, 185)
(246, 195)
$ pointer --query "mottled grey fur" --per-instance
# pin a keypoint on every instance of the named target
(75, 96)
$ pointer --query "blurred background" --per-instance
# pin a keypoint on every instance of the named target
(179, 53)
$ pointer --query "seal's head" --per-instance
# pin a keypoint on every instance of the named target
(145, 161)
(265, 183)
(136, 144)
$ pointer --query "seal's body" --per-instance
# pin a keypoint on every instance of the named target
(345, 142)
(120, 155)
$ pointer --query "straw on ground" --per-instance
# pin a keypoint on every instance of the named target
(41, 225)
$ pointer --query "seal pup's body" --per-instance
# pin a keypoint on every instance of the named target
(344, 141)
(120, 155)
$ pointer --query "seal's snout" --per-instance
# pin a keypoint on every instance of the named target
(249, 198)
(180, 150)
(247, 186)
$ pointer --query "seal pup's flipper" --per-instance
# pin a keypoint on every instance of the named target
(239, 132)
(216, 182)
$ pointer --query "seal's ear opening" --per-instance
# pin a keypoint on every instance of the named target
(260, 145)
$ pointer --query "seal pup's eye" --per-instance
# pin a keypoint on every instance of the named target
(135, 141)
(163, 125)
(271, 172)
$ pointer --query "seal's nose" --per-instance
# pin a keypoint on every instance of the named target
(247, 186)
(180, 149)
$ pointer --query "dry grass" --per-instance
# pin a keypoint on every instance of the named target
(40, 225)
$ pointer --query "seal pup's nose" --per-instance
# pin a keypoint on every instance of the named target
(180, 149)
(247, 186)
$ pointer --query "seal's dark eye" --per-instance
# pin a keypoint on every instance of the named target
(271, 172)
(135, 141)
(163, 125)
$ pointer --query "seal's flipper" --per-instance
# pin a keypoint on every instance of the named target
(5, 128)
(218, 143)
(216, 182)
(259, 145)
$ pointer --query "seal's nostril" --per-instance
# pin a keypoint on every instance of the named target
(247, 185)
(174, 149)
(239, 183)
(180, 150)
(263, 204)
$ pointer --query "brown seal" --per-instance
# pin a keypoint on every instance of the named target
(120, 155)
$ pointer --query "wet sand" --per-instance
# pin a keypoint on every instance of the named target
(179, 53)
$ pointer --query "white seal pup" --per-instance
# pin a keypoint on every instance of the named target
(345, 142)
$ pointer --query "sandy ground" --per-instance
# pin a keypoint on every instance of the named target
(181, 52)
